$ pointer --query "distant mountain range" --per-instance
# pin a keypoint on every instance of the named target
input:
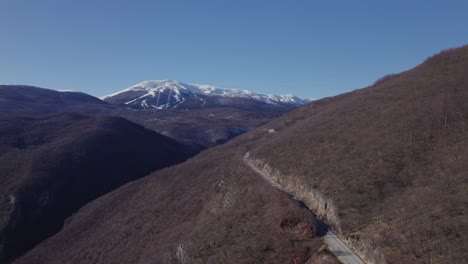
(216, 115)
(170, 94)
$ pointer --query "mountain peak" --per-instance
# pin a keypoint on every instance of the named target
(168, 94)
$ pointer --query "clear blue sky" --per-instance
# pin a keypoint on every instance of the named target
(309, 48)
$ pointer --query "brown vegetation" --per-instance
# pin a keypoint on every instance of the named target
(210, 209)
(392, 157)
(206, 127)
(323, 207)
(50, 166)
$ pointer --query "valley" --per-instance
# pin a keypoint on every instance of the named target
(233, 132)
(60, 150)
(376, 175)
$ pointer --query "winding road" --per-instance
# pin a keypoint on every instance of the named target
(334, 243)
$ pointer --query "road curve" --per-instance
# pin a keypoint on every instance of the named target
(336, 246)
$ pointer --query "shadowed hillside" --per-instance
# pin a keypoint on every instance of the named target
(206, 127)
(51, 166)
(29, 100)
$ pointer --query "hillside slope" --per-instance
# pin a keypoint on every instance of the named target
(389, 160)
(206, 127)
(392, 158)
(210, 209)
(52, 165)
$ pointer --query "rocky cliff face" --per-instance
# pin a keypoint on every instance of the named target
(323, 207)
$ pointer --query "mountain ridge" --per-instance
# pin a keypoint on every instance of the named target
(171, 94)
(211, 120)
(32, 100)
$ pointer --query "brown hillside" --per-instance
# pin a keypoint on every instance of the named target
(391, 158)
(210, 209)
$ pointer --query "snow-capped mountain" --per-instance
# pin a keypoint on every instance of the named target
(170, 94)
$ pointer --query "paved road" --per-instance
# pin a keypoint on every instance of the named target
(335, 244)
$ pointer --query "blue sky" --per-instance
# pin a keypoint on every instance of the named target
(309, 48)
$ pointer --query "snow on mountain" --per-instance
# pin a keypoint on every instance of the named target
(69, 91)
(267, 98)
(164, 94)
